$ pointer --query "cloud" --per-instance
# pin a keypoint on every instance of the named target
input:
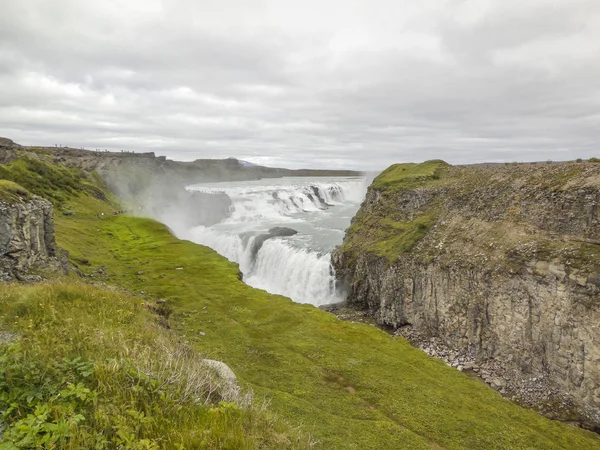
(351, 84)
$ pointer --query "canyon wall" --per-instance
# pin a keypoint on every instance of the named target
(498, 262)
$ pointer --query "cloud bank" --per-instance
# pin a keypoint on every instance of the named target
(337, 84)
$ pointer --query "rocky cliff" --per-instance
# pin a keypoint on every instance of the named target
(27, 241)
(499, 263)
(7, 150)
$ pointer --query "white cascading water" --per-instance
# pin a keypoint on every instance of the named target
(295, 266)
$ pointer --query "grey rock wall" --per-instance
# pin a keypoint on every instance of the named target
(27, 239)
(508, 274)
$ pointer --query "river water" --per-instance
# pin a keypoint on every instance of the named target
(298, 266)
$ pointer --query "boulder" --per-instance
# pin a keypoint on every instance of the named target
(282, 231)
(261, 238)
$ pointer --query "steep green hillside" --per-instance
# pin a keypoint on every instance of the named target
(348, 385)
(50, 181)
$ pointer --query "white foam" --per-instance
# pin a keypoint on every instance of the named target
(283, 266)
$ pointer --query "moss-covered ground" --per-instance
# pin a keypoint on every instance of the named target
(349, 385)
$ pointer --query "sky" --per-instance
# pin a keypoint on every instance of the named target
(357, 84)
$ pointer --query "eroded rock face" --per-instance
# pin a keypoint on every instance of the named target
(508, 272)
(7, 150)
(27, 239)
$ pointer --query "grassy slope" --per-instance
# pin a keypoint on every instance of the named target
(385, 231)
(350, 385)
(93, 369)
(50, 181)
(11, 192)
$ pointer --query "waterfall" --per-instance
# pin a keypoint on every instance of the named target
(295, 266)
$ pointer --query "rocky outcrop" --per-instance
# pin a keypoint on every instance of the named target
(501, 264)
(27, 239)
(260, 239)
(8, 150)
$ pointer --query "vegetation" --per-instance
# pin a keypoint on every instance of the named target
(385, 230)
(12, 193)
(405, 176)
(348, 385)
(94, 369)
(53, 182)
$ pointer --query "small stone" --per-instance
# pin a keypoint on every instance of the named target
(497, 383)
(201, 333)
(160, 301)
(141, 272)
(178, 268)
(460, 368)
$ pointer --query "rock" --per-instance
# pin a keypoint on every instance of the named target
(160, 301)
(333, 307)
(7, 337)
(141, 272)
(8, 150)
(282, 231)
(516, 280)
(27, 239)
(261, 238)
(201, 333)
(497, 383)
(222, 370)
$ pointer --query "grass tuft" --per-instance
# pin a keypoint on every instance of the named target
(12, 193)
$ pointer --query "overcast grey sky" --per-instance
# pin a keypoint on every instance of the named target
(328, 83)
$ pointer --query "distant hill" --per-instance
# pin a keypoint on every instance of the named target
(144, 164)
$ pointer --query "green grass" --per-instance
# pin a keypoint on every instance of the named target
(405, 176)
(384, 230)
(93, 368)
(11, 192)
(55, 183)
(395, 238)
(348, 385)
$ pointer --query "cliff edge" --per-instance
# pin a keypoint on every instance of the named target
(499, 263)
